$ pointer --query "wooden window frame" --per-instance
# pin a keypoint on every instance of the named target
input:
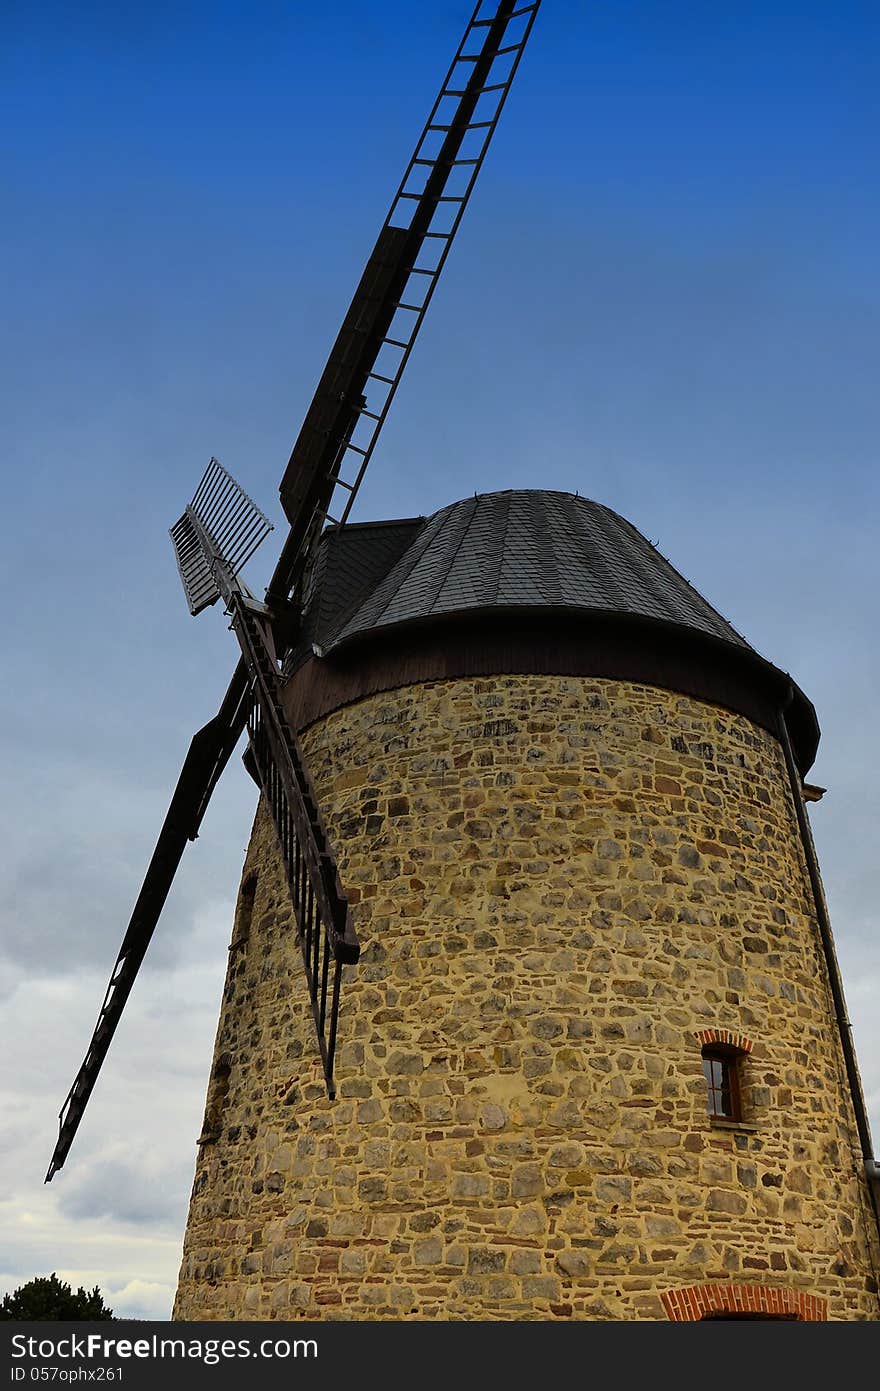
(728, 1058)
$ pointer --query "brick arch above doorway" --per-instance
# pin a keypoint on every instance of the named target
(693, 1302)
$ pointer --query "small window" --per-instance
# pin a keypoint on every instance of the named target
(721, 1070)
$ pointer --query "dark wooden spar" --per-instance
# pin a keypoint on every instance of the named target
(221, 528)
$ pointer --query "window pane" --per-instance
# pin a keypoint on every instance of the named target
(720, 1074)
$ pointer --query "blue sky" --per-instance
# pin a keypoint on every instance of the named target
(663, 295)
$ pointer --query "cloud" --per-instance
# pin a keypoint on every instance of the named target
(115, 1214)
(77, 842)
(141, 1299)
(128, 1298)
(136, 1190)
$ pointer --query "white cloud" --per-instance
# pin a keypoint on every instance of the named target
(114, 1215)
(141, 1299)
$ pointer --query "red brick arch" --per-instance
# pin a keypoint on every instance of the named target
(693, 1302)
(707, 1037)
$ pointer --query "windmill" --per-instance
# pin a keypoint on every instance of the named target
(594, 1059)
(221, 528)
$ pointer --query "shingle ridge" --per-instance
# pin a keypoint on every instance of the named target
(474, 501)
(704, 602)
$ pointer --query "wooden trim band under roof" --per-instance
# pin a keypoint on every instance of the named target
(494, 643)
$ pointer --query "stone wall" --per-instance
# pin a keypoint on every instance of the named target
(559, 884)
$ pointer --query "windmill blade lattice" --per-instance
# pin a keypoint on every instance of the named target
(221, 528)
(206, 759)
(220, 524)
(355, 392)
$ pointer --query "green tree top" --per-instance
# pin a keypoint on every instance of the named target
(47, 1297)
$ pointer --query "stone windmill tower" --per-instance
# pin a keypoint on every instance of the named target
(570, 1040)
(592, 1062)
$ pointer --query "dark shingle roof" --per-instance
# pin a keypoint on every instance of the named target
(508, 551)
(349, 564)
(508, 561)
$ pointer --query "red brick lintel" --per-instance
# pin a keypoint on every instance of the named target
(693, 1302)
(727, 1037)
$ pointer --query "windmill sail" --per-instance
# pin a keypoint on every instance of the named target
(225, 525)
(222, 521)
(208, 755)
(358, 384)
(331, 454)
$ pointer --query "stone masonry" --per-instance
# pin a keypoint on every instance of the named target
(560, 883)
